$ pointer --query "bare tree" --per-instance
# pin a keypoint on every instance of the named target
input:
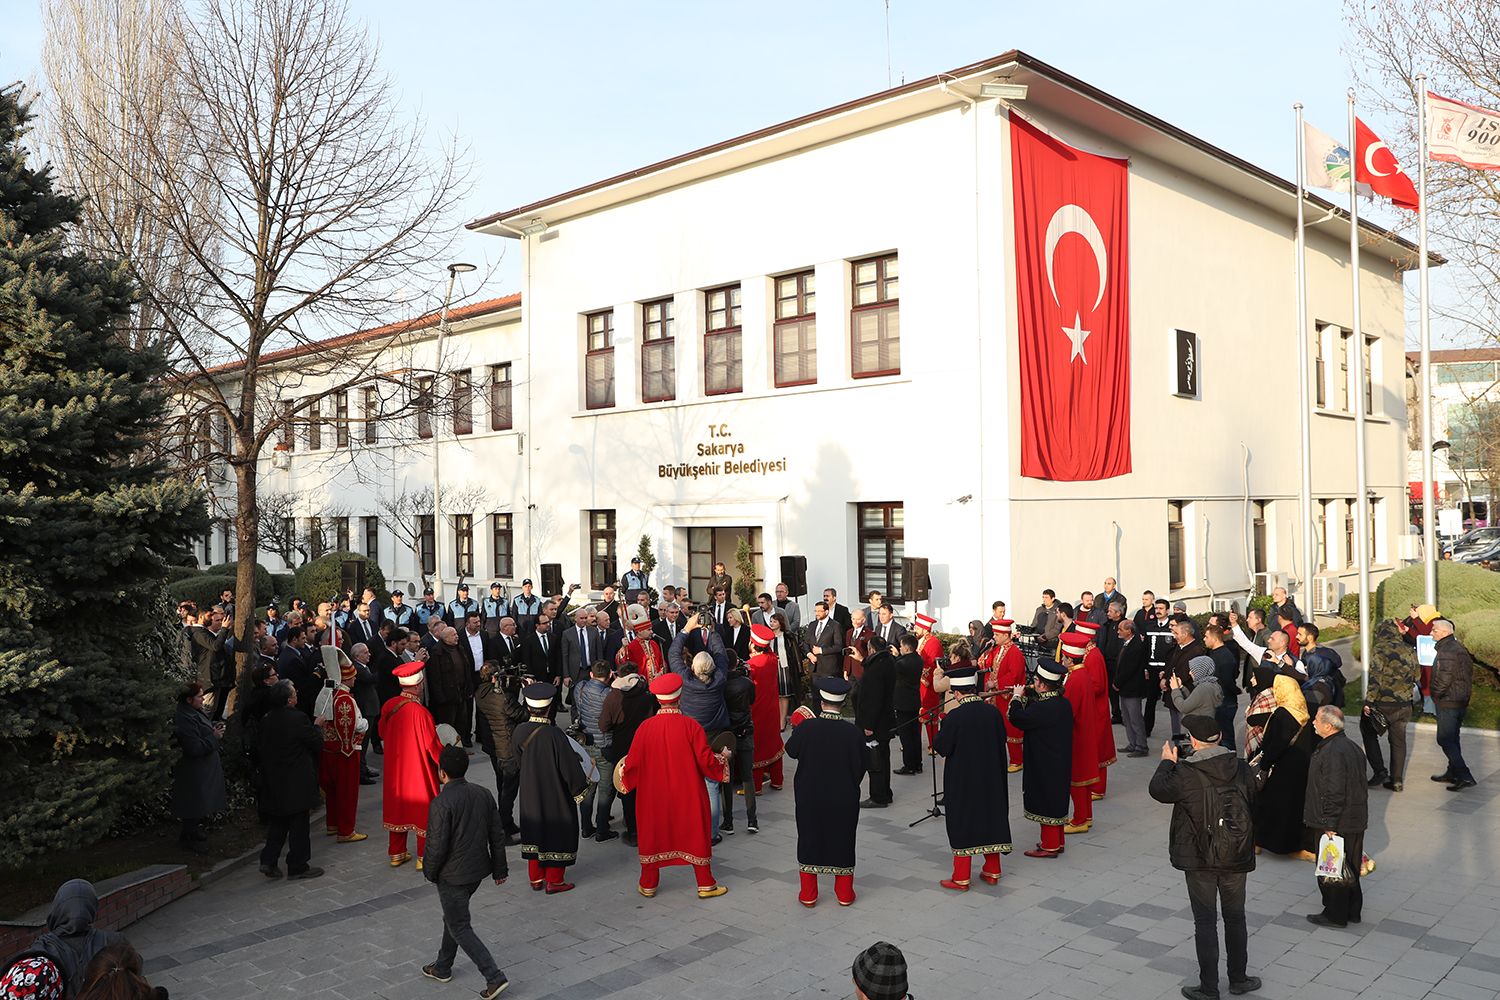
(108, 66)
(299, 195)
(403, 513)
(1457, 45)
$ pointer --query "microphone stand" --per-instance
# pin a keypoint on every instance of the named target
(937, 796)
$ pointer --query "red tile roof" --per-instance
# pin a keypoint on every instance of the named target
(343, 340)
(1450, 357)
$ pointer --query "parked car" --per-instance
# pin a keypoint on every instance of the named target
(1481, 543)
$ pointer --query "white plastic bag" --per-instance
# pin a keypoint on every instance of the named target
(1331, 858)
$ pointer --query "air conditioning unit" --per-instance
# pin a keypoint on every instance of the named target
(1222, 605)
(1267, 582)
(1327, 592)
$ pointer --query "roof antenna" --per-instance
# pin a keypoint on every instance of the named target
(888, 46)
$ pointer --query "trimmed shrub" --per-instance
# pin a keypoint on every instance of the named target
(1264, 603)
(203, 589)
(175, 573)
(263, 585)
(1349, 608)
(1479, 631)
(284, 587)
(321, 579)
(1461, 588)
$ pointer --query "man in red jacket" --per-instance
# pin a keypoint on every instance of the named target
(1006, 668)
(411, 761)
(668, 761)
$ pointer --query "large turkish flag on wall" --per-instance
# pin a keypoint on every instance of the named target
(1073, 303)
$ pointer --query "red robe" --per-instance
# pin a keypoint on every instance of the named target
(1104, 733)
(669, 759)
(930, 648)
(648, 662)
(1004, 675)
(765, 714)
(410, 764)
(1079, 690)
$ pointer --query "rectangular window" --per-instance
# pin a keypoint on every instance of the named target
(599, 361)
(424, 407)
(1454, 374)
(1369, 375)
(795, 334)
(463, 531)
(463, 402)
(371, 414)
(1372, 552)
(1349, 520)
(601, 548)
(658, 351)
(341, 534)
(1258, 526)
(316, 538)
(288, 536)
(500, 418)
(1322, 393)
(723, 348)
(1343, 369)
(427, 544)
(875, 318)
(372, 537)
(314, 426)
(1176, 545)
(288, 424)
(882, 539)
(341, 420)
(1322, 528)
(505, 547)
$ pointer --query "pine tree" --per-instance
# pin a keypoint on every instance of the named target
(86, 698)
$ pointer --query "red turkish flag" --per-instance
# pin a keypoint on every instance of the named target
(1375, 165)
(1073, 305)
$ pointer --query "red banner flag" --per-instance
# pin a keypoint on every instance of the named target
(1073, 305)
(1375, 165)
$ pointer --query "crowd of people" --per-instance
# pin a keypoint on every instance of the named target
(683, 711)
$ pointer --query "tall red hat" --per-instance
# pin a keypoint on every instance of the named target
(925, 622)
(1001, 627)
(409, 674)
(1090, 629)
(667, 687)
(761, 636)
(1075, 643)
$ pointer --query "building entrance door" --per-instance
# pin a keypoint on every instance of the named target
(707, 546)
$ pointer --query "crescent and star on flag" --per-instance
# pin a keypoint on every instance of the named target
(1076, 219)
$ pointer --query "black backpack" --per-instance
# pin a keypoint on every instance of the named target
(1227, 838)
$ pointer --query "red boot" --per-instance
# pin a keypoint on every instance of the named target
(991, 870)
(963, 865)
(843, 888)
(809, 894)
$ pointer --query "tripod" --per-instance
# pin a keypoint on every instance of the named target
(937, 796)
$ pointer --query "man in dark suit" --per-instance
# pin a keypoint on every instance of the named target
(824, 642)
(543, 653)
(669, 624)
(887, 627)
(475, 646)
(837, 611)
(506, 645)
(363, 627)
(581, 646)
(718, 611)
(875, 715)
(613, 635)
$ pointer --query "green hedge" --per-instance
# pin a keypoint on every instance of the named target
(203, 589)
(1461, 588)
(264, 588)
(175, 573)
(1349, 608)
(284, 588)
(320, 579)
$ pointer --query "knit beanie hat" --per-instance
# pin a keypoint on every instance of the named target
(880, 971)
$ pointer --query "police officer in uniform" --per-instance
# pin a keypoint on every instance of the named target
(494, 608)
(398, 614)
(461, 607)
(428, 611)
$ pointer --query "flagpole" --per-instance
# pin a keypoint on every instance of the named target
(1429, 512)
(1309, 543)
(1362, 505)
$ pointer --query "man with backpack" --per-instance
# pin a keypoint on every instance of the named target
(1212, 841)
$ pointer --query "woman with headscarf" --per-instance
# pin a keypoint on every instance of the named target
(1318, 689)
(198, 778)
(1201, 694)
(1284, 752)
(1258, 712)
(70, 939)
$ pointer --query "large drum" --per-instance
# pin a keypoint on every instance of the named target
(447, 735)
(619, 777)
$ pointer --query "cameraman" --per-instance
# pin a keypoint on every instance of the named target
(588, 698)
(501, 711)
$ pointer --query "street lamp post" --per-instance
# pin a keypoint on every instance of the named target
(454, 270)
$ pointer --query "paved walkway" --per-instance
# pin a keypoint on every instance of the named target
(1108, 919)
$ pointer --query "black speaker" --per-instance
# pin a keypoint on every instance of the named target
(794, 575)
(914, 579)
(552, 581)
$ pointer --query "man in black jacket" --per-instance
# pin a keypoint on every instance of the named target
(289, 748)
(1451, 686)
(739, 699)
(465, 845)
(1338, 803)
(875, 715)
(906, 700)
(1216, 771)
(1130, 682)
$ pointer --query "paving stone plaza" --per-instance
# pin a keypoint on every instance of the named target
(1108, 919)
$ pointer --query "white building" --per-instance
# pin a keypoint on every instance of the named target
(1466, 414)
(683, 368)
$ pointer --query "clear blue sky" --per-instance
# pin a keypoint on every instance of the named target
(551, 96)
